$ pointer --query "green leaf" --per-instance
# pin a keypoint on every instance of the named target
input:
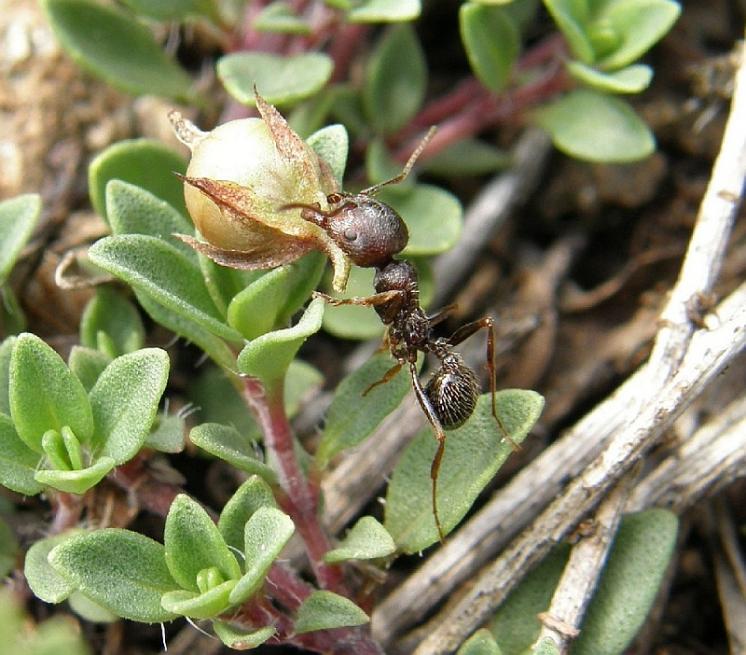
(44, 394)
(302, 379)
(205, 605)
(324, 610)
(632, 79)
(265, 535)
(193, 543)
(6, 350)
(571, 19)
(85, 608)
(110, 313)
(144, 163)
(44, 580)
(18, 463)
(546, 647)
(331, 144)
(468, 157)
(634, 571)
(384, 11)
(123, 571)
(255, 310)
(473, 454)
(240, 639)
(345, 429)
(282, 80)
(480, 643)
(395, 80)
(87, 364)
(12, 318)
(223, 283)
(112, 45)
(433, 217)
(249, 497)
(160, 270)
(229, 444)
(367, 539)
(492, 43)
(596, 127)
(279, 17)
(348, 109)
(214, 346)
(354, 321)
(168, 10)
(515, 625)
(76, 481)
(641, 24)
(134, 210)
(167, 435)
(217, 400)
(18, 218)
(311, 114)
(269, 356)
(125, 401)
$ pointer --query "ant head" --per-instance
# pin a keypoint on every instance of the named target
(367, 230)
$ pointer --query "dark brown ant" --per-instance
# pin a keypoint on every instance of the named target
(371, 232)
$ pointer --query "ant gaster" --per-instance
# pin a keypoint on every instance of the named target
(371, 232)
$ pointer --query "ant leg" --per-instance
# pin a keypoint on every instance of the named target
(442, 314)
(314, 214)
(366, 301)
(387, 377)
(439, 434)
(463, 333)
(372, 190)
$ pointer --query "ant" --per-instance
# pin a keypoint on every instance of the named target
(371, 232)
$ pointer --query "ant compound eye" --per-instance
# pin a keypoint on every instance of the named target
(350, 234)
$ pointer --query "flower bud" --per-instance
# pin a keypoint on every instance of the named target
(241, 177)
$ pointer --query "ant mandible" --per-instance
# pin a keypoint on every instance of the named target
(371, 232)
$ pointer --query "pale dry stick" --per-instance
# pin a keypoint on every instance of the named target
(708, 353)
(731, 547)
(709, 460)
(561, 622)
(539, 482)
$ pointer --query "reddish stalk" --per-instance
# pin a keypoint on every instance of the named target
(67, 510)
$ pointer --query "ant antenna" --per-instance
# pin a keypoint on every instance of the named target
(372, 190)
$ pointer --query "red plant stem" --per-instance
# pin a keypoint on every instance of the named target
(347, 41)
(67, 510)
(302, 498)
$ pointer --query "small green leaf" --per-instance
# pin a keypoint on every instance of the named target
(87, 609)
(76, 481)
(345, 429)
(545, 647)
(480, 643)
(6, 350)
(193, 543)
(123, 571)
(160, 270)
(331, 144)
(302, 379)
(395, 80)
(468, 157)
(125, 401)
(44, 581)
(18, 218)
(354, 321)
(324, 610)
(641, 24)
(265, 535)
(44, 394)
(217, 400)
(255, 310)
(249, 497)
(112, 45)
(282, 80)
(229, 444)
(596, 127)
(515, 625)
(168, 10)
(224, 283)
(632, 79)
(144, 163)
(110, 313)
(433, 217)
(367, 539)
(269, 356)
(167, 435)
(240, 639)
(199, 605)
(18, 463)
(634, 571)
(492, 43)
(473, 454)
(384, 11)
(571, 16)
(348, 109)
(87, 364)
(279, 17)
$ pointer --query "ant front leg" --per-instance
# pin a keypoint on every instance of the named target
(366, 301)
(439, 434)
(462, 334)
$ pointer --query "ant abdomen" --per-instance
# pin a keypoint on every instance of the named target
(453, 391)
